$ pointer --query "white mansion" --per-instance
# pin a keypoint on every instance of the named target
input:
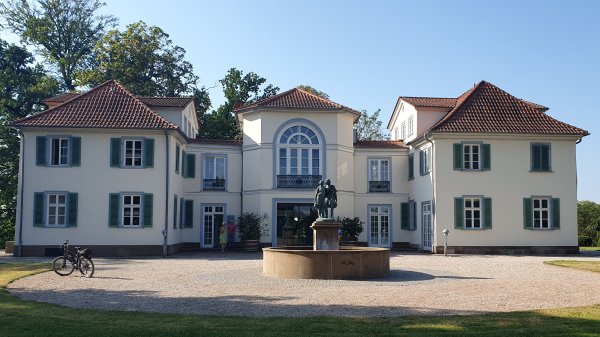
(114, 172)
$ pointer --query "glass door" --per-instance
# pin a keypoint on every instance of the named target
(427, 229)
(379, 226)
(213, 218)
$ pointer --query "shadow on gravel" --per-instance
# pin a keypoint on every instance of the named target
(250, 306)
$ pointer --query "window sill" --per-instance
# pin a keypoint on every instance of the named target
(541, 171)
(542, 229)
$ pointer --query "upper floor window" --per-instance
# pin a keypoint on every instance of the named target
(425, 161)
(299, 154)
(379, 175)
(132, 152)
(540, 157)
(214, 173)
(403, 130)
(411, 166)
(397, 134)
(58, 151)
(411, 129)
(472, 157)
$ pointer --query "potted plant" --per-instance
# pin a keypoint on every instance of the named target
(249, 226)
(351, 229)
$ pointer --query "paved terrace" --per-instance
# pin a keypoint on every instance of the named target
(232, 284)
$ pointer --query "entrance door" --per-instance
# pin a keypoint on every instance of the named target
(379, 226)
(211, 222)
(427, 230)
(293, 224)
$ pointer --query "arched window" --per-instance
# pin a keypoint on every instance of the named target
(298, 152)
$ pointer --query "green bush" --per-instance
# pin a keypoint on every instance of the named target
(351, 228)
(249, 225)
(588, 220)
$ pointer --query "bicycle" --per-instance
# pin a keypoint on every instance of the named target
(81, 260)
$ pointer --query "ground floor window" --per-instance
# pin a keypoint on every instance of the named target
(131, 210)
(379, 226)
(213, 218)
(472, 212)
(56, 210)
(541, 212)
(426, 225)
(293, 224)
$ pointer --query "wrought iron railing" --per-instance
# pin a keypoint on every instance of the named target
(379, 186)
(305, 181)
(214, 184)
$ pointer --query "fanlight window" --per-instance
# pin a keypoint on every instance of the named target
(299, 152)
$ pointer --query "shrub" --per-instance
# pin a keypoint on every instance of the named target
(351, 228)
(249, 225)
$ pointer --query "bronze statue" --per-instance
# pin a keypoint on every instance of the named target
(320, 203)
(330, 196)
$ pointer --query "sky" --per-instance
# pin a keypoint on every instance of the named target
(365, 54)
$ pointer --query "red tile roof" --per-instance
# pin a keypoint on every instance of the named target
(212, 141)
(108, 105)
(295, 99)
(381, 144)
(486, 108)
(62, 97)
(166, 102)
(431, 102)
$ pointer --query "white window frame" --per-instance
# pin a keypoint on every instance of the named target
(298, 149)
(133, 141)
(380, 174)
(63, 152)
(378, 212)
(539, 210)
(469, 213)
(56, 206)
(211, 210)
(470, 159)
(411, 129)
(213, 158)
(132, 206)
(397, 133)
(425, 161)
(426, 225)
(403, 130)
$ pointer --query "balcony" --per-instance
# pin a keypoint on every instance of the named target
(379, 186)
(213, 184)
(305, 181)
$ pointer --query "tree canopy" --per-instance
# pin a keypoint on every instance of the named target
(369, 127)
(313, 91)
(588, 219)
(144, 60)
(237, 88)
(64, 31)
(22, 87)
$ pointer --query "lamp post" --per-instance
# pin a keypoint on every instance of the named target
(446, 232)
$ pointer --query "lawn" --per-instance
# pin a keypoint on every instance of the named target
(590, 248)
(26, 318)
(584, 265)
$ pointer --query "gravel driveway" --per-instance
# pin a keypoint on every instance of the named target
(232, 284)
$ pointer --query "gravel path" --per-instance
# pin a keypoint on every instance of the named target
(232, 284)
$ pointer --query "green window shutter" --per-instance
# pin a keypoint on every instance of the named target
(190, 165)
(411, 166)
(404, 215)
(177, 158)
(189, 214)
(40, 153)
(183, 164)
(458, 213)
(115, 152)
(458, 156)
(487, 212)
(148, 201)
(527, 214)
(38, 209)
(72, 221)
(75, 151)
(545, 157)
(487, 157)
(556, 213)
(175, 212)
(181, 210)
(149, 152)
(421, 162)
(113, 209)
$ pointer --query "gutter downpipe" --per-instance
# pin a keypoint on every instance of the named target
(21, 185)
(165, 232)
(433, 203)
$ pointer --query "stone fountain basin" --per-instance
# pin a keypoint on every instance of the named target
(345, 263)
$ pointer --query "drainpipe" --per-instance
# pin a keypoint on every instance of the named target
(22, 188)
(165, 232)
(433, 210)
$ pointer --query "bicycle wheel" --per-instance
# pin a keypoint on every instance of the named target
(63, 266)
(86, 267)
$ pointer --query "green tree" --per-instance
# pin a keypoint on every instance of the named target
(64, 31)
(145, 61)
(313, 91)
(237, 88)
(588, 219)
(22, 87)
(369, 127)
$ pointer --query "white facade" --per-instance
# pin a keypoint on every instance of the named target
(195, 185)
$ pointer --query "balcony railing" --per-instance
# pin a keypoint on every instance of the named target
(379, 186)
(305, 181)
(213, 184)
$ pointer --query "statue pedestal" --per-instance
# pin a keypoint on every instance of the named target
(326, 234)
